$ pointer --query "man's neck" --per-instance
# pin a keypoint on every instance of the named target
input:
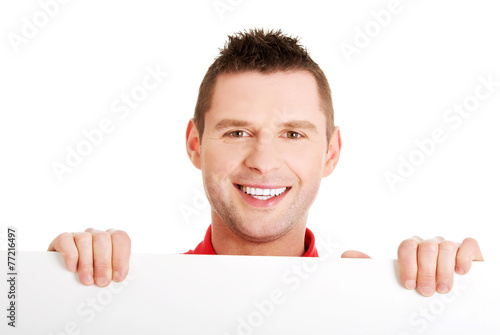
(226, 242)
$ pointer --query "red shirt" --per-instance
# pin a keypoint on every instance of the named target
(205, 247)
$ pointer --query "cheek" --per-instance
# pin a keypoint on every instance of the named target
(220, 160)
(307, 163)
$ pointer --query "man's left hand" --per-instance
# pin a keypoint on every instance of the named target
(428, 265)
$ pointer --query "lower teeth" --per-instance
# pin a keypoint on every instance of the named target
(261, 197)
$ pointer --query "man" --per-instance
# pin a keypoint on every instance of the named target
(263, 135)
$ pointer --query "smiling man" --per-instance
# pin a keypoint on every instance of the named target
(263, 135)
(263, 151)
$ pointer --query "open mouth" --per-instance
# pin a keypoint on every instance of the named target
(263, 193)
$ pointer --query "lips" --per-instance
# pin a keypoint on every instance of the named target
(262, 195)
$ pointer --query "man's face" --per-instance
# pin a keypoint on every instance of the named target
(263, 152)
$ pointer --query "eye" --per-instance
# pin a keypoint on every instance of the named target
(237, 133)
(293, 135)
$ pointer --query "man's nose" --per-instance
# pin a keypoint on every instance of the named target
(264, 156)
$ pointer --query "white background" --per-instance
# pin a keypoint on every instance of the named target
(394, 91)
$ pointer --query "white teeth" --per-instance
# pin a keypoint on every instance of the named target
(262, 194)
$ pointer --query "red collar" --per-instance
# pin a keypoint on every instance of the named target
(205, 247)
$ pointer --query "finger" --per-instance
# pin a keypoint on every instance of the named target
(427, 266)
(446, 266)
(468, 252)
(102, 249)
(85, 262)
(354, 254)
(65, 245)
(407, 261)
(121, 254)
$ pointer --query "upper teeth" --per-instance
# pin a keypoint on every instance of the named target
(262, 191)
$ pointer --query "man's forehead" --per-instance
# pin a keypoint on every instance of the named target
(276, 97)
(294, 87)
(274, 76)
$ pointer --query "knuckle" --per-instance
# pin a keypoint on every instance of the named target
(121, 237)
(83, 237)
(405, 276)
(448, 246)
(120, 263)
(101, 267)
(471, 241)
(71, 256)
(102, 237)
(429, 247)
(85, 266)
(427, 277)
(64, 236)
(445, 276)
(463, 258)
(408, 245)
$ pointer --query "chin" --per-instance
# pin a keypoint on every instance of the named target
(262, 231)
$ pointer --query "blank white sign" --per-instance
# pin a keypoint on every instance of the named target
(199, 294)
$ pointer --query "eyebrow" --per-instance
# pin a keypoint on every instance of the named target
(294, 124)
(228, 123)
(299, 124)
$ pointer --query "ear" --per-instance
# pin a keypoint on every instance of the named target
(193, 144)
(333, 153)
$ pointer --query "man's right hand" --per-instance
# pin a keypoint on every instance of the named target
(98, 256)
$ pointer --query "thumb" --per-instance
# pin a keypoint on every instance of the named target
(354, 254)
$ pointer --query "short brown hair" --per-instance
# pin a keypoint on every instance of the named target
(265, 52)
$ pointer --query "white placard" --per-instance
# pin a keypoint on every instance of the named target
(198, 294)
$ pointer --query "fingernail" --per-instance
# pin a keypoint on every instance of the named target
(101, 281)
(442, 288)
(459, 270)
(117, 276)
(426, 291)
(87, 280)
(410, 284)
